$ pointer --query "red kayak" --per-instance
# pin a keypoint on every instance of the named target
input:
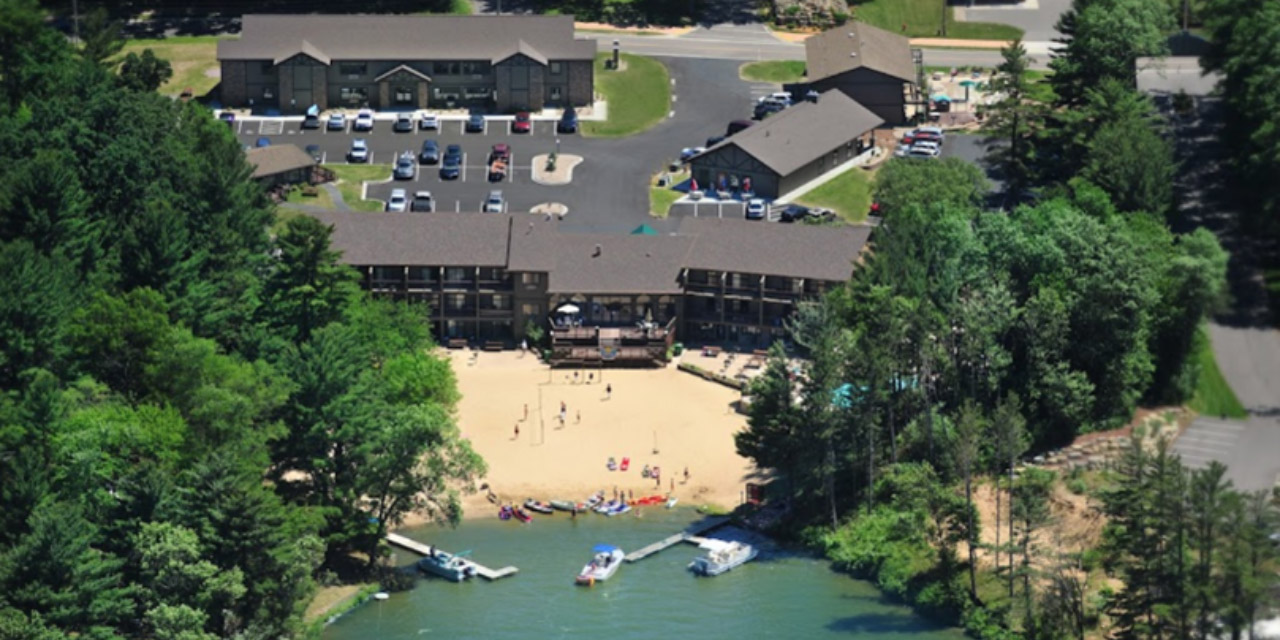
(521, 515)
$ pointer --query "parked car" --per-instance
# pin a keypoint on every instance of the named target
(359, 151)
(422, 202)
(568, 122)
(404, 123)
(430, 152)
(227, 117)
(922, 152)
(429, 122)
(397, 201)
(687, 153)
(714, 140)
(364, 121)
(405, 167)
(522, 123)
(933, 131)
(336, 122)
(475, 124)
(766, 109)
(736, 126)
(262, 142)
(780, 97)
(311, 121)
(453, 151)
(451, 168)
(756, 209)
(314, 151)
(925, 136)
(500, 152)
(494, 203)
(795, 212)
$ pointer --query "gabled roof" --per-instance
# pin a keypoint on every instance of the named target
(405, 68)
(797, 135)
(277, 158)
(304, 48)
(818, 252)
(857, 45)
(520, 48)
(416, 239)
(396, 37)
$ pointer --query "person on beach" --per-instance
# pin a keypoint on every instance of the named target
(517, 431)
(591, 378)
(608, 390)
(673, 485)
(577, 419)
(575, 377)
(526, 412)
(686, 475)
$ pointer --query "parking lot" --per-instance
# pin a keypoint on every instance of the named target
(464, 193)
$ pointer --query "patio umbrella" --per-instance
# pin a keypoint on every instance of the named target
(568, 308)
(968, 83)
(941, 98)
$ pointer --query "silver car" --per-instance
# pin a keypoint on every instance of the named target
(359, 151)
(398, 201)
(494, 203)
(406, 168)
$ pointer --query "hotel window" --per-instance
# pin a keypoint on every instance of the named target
(404, 95)
(530, 278)
(500, 302)
(555, 68)
(352, 68)
(268, 67)
(530, 309)
(353, 95)
(555, 93)
(456, 301)
(268, 94)
(455, 274)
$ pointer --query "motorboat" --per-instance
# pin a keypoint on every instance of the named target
(618, 509)
(447, 565)
(603, 565)
(721, 556)
(595, 500)
(537, 505)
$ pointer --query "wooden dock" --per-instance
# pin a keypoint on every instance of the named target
(422, 549)
(688, 535)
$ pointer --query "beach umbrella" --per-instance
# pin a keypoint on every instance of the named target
(941, 98)
(968, 83)
(604, 548)
(568, 308)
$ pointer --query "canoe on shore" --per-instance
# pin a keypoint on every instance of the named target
(566, 505)
(536, 505)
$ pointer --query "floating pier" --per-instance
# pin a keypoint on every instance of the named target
(424, 550)
(688, 535)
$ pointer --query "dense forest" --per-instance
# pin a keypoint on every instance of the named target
(972, 338)
(199, 422)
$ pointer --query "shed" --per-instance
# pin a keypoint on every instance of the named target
(280, 164)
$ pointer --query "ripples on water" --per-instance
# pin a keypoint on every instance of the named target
(781, 594)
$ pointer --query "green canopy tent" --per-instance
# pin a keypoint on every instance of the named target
(643, 230)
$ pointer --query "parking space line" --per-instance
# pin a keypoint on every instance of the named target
(464, 166)
(324, 155)
(508, 127)
(457, 206)
(239, 127)
(462, 128)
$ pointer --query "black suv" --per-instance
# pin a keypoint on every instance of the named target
(568, 122)
(430, 152)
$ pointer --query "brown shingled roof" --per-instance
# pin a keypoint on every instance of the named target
(792, 250)
(858, 45)
(797, 135)
(396, 37)
(417, 239)
(277, 158)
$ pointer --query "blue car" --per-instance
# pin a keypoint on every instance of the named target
(430, 152)
(451, 168)
(262, 142)
(475, 124)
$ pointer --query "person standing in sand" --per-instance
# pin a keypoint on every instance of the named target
(577, 419)
(608, 391)
(517, 431)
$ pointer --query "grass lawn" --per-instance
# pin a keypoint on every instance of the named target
(456, 8)
(924, 20)
(1040, 89)
(350, 177)
(848, 194)
(639, 96)
(320, 199)
(1213, 396)
(193, 59)
(661, 199)
(777, 71)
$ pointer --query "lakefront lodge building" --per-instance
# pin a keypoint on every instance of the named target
(486, 277)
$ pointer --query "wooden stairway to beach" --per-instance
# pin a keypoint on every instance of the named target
(422, 549)
(693, 531)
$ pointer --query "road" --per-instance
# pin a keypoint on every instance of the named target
(754, 42)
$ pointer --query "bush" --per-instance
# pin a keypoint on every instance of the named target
(309, 191)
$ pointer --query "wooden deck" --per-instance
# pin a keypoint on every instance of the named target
(688, 535)
(423, 549)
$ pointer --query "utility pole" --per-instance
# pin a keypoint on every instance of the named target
(1186, 15)
(944, 18)
(75, 20)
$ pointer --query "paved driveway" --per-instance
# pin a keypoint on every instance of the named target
(1035, 17)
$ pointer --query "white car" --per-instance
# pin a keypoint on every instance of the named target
(937, 131)
(364, 121)
(922, 152)
(688, 153)
(756, 209)
(398, 200)
(429, 121)
(780, 97)
(337, 122)
(359, 151)
(927, 145)
(494, 203)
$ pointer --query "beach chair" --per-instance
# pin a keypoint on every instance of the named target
(626, 464)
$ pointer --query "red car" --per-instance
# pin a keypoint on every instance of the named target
(500, 152)
(522, 123)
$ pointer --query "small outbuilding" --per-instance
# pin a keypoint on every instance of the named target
(280, 164)
(870, 65)
(789, 149)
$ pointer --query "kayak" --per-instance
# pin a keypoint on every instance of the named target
(536, 505)
(672, 502)
(521, 515)
(564, 505)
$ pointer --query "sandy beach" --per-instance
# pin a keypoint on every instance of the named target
(688, 420)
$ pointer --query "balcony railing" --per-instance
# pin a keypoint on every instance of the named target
(454, 312)
(491, 312)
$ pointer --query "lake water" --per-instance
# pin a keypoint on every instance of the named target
(780, 594)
